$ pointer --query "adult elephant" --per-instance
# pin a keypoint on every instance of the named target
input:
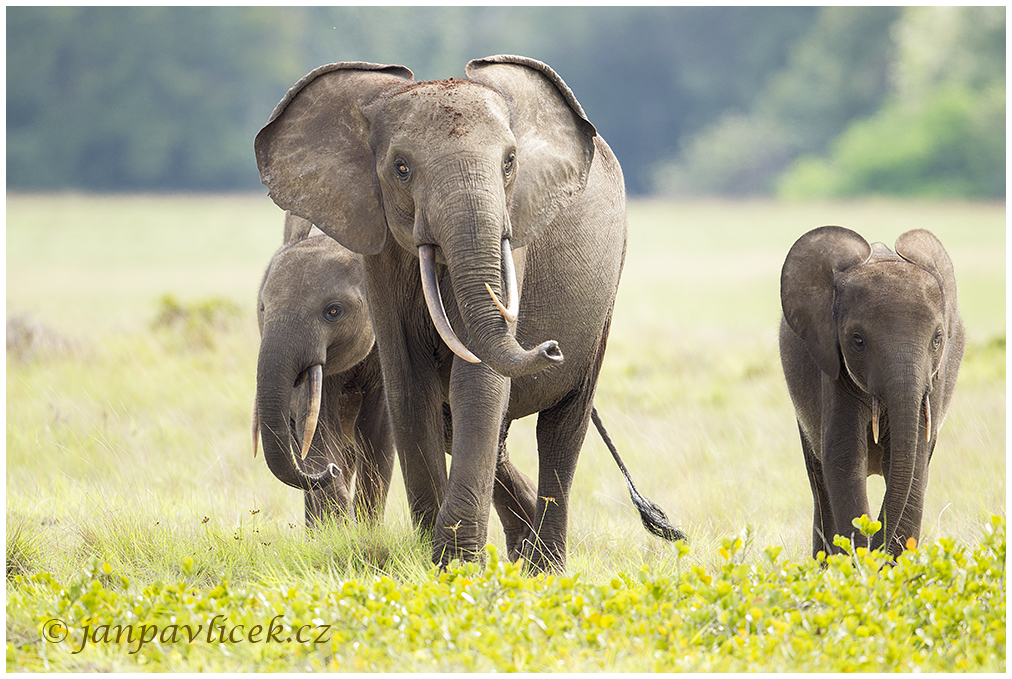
(459, 194)
(871, 342)
(319, 384)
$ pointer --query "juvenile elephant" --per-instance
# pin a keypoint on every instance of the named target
(459, 194)
(319, 385)
(871, 342)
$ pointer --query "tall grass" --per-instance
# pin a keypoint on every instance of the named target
(131, 443)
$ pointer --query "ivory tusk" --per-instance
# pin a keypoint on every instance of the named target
(506, 313)
(874, 419)
(927, 417)
(314, 376)
(430, 286)
(256, 428)
(510, 312)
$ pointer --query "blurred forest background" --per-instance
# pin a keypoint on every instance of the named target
(735, 101)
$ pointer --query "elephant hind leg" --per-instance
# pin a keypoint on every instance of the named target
(561, 431)
(823, 527)
(514, 497)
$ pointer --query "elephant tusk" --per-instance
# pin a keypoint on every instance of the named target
(256, 428)
(314, 376)
(430, 287)
(874, 419)
(927, 417)
(506, 313)
(511, 312)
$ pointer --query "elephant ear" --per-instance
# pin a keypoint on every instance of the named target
(808, 288)
(922, 248)
(297, 228)
(314, 154)
(555, 141)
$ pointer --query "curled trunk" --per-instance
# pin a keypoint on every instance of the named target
(277, 376)
(478, 257)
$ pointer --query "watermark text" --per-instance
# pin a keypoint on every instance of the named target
(217, 631)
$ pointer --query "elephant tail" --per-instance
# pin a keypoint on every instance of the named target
(653, 517)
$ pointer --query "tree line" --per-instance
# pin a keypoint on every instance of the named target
(793, 101)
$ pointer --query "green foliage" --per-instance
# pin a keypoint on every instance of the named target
(951, 146)
(907, 102)
(940, 607)
(135, 98)
(651, 77)
(198, 322)
(170, 98)
(737, 156)
(941, 133)
(837, 71)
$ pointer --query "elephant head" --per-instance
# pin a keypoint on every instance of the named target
(885, 326)
(314, 323)
(459, 172)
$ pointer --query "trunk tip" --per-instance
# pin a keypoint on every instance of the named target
(551, 352)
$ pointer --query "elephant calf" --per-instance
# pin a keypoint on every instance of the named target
(319, 385)
(871, 342)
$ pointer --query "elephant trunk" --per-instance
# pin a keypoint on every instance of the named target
(278, 373)
(479, 260)
(907, 408)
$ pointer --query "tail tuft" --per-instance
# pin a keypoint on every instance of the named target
(653, 517)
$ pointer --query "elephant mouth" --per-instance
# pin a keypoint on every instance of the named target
(313, 377)
(876, 411)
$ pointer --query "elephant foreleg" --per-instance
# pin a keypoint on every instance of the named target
(376, 459)
(845, 465)
(478, 398)
(332, 502)
(414, 391)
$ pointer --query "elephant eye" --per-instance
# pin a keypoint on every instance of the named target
(333, 312)
(936, 341)
(857, 339)
(402, 169)
(509, 164)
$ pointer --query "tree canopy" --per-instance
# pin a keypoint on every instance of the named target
(718, 100)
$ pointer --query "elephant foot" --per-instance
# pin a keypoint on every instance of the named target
(459, 540)
(321, 507)
(515, 523)
(540, 557)
(424, 519)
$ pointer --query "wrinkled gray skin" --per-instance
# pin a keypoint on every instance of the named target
(865, 330)
(385, 166)
(312, 311)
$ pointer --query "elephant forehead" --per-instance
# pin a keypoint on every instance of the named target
(314, 265)
(446, 108)
(888, 287)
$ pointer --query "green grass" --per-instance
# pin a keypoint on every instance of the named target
(129, 451)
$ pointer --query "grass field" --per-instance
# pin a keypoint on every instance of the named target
(129, 461)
